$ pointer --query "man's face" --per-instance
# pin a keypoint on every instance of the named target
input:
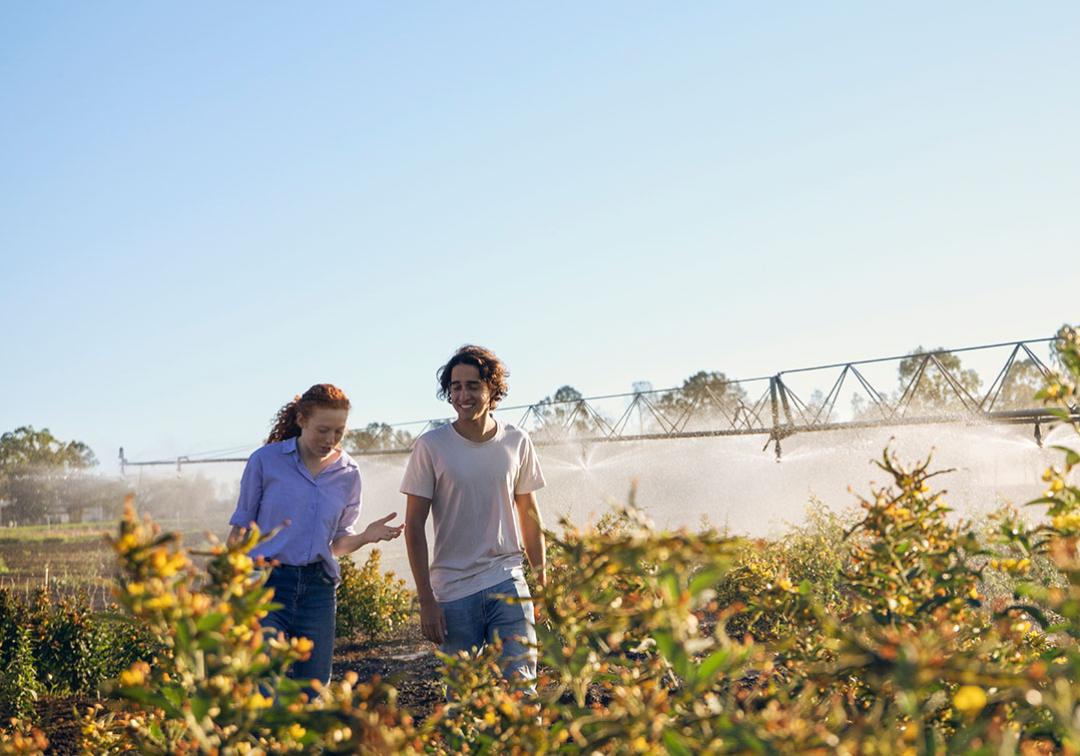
(469, 394)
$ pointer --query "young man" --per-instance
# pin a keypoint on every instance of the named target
(477, 477)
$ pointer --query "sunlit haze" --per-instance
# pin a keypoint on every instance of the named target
(206, 208)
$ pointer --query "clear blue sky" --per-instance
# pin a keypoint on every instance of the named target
(205, 208)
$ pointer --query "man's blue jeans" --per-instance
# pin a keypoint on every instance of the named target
(475, 620)
(309, 604)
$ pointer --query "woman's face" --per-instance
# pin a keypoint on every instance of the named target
(322, 430)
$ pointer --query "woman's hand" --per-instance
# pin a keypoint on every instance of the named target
(376, 531)
(381, 530)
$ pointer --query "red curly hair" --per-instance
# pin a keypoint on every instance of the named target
(492, 371)
(320, 395)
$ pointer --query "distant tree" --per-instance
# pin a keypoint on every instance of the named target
(377, 437)
(815, 407)
(34, 468)
(566, 412)
(1019, 386)
(81, 493)
(933, 391)
(25, 448)
(704, 395)
(168, 496)
(864, 409)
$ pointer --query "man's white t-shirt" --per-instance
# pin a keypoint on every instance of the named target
(471, 487)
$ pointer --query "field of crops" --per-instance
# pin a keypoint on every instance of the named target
(903, 630)
(70, 557)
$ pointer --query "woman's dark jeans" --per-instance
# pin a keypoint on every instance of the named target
(309, 603)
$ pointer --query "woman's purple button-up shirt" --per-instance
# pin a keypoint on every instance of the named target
(277, 486)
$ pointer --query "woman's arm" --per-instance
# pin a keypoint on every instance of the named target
(236, 534)
(380, 530)
(250, 501)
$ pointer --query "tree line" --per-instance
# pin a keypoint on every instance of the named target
(705, 395)
(45, 479)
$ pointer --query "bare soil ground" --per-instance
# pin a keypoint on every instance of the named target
(406, 661)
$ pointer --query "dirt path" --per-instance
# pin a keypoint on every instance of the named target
(406, 661)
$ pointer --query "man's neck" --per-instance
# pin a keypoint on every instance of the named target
(478, 429)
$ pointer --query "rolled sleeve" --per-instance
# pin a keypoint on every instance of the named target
(351, 513)
(251, 490)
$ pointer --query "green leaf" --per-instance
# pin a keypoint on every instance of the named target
(173, 696)
(151, 698)
(183, 634)
(675, 744)
(712, 664)
(200, 707)
(706, 579)
(680, 662)
(1072, 458)
(210, 622)
(665, 642)
(669, 584)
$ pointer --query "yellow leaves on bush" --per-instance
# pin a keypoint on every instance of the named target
(302, 647)
(166, 564)
(241, 562)
(1012, 566)
(22, 739)
(1067, 524)
(969, 699)
(257, 701)
(136, 675)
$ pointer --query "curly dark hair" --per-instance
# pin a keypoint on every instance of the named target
(492, 371)
(319, 395)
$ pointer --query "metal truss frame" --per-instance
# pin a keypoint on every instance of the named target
(777, 412)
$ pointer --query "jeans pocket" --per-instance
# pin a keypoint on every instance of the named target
(521, 588)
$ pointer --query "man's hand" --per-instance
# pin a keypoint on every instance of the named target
(540, 579)
(432, 621)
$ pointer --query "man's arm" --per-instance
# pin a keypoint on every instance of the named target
(432, 621)
(532, 530)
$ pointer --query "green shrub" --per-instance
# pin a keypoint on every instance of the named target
(56, 646)
(369, 601)
(813, 555)
(221, 685)
(18, 681)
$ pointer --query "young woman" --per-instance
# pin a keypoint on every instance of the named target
(302, 480)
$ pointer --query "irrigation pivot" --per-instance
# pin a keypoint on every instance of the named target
(914, 389)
